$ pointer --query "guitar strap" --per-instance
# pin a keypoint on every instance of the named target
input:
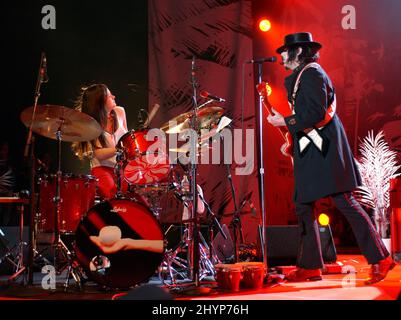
(312, 135)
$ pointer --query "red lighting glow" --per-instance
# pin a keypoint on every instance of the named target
(264, 25)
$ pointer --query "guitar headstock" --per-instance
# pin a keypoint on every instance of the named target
(264, 91)
(262, 88)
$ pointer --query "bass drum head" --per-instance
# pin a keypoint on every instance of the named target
(126, 221)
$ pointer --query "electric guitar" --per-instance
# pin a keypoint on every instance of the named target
(287, 147)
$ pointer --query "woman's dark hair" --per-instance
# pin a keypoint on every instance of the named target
(308, 54)
(92, 101)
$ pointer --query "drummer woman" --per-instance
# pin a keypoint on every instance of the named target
(98, 102)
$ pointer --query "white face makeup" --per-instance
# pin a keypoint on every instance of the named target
(293, 64)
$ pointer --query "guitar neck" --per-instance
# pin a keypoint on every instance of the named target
(269, 109)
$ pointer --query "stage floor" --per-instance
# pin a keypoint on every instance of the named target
(339, 286)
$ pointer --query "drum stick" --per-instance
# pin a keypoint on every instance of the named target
(152, 114)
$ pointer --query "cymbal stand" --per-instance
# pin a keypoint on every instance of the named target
(117, 170)
(236, 220)
(193, 233)
(29, 157)
(59, 245)
(197, 249)
(15, 255)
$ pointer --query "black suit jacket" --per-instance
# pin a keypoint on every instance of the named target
(319, 173)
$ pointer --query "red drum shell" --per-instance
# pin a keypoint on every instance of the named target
(78, 196)
(134, 144)
(140, 167)
(126, 267)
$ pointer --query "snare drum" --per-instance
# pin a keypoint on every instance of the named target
(141, 167)
(78, 195)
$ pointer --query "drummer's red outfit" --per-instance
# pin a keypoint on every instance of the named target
(103, 170)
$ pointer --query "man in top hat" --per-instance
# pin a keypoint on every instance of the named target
(323, 162)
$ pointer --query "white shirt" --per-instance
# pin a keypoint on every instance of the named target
(112, 140)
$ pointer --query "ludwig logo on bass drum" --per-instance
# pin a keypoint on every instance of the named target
(119, 209)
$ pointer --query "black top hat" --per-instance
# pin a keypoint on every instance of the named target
(298, 39)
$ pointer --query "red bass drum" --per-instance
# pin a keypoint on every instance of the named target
(119, 243)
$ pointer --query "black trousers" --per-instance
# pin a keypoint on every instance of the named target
(369, 242)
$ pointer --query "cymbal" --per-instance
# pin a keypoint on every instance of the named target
(203, 141)
(206, 117)
(75, 125)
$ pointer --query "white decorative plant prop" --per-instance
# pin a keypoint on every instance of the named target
(377, 166)
(6, 182)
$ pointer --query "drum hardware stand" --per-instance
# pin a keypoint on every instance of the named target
(117, 170)
(29, 156)
(59, 245)
(207, 256)
(18, 249)
(236, 220)
(154, 203)
(213, 256)
(172, 261)
(37, 255)
(194, 252)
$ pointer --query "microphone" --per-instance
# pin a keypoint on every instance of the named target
(261, 60)
(43, 69)
(207, 95)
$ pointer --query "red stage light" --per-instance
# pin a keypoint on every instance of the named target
(264, 25)
(324, 219)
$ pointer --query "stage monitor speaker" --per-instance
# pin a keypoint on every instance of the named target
(283, 244)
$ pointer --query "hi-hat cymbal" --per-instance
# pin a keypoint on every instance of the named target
(206, 116)
(74, 125)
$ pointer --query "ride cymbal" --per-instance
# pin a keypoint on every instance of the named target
(74, 125)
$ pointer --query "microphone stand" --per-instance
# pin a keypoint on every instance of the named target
(236, 220)
(194, 188)
(262, 170)
(194, 254)
(29, 157)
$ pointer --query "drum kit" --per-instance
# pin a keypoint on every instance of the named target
(120, 242)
